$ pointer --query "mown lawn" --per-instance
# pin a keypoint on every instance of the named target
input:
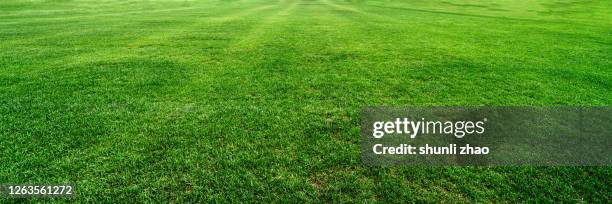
(259, 100)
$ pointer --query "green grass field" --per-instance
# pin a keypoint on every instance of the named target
(259, 100)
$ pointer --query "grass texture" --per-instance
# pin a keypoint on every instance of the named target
(259, 100)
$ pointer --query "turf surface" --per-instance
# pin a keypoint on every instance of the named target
(259, 100)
